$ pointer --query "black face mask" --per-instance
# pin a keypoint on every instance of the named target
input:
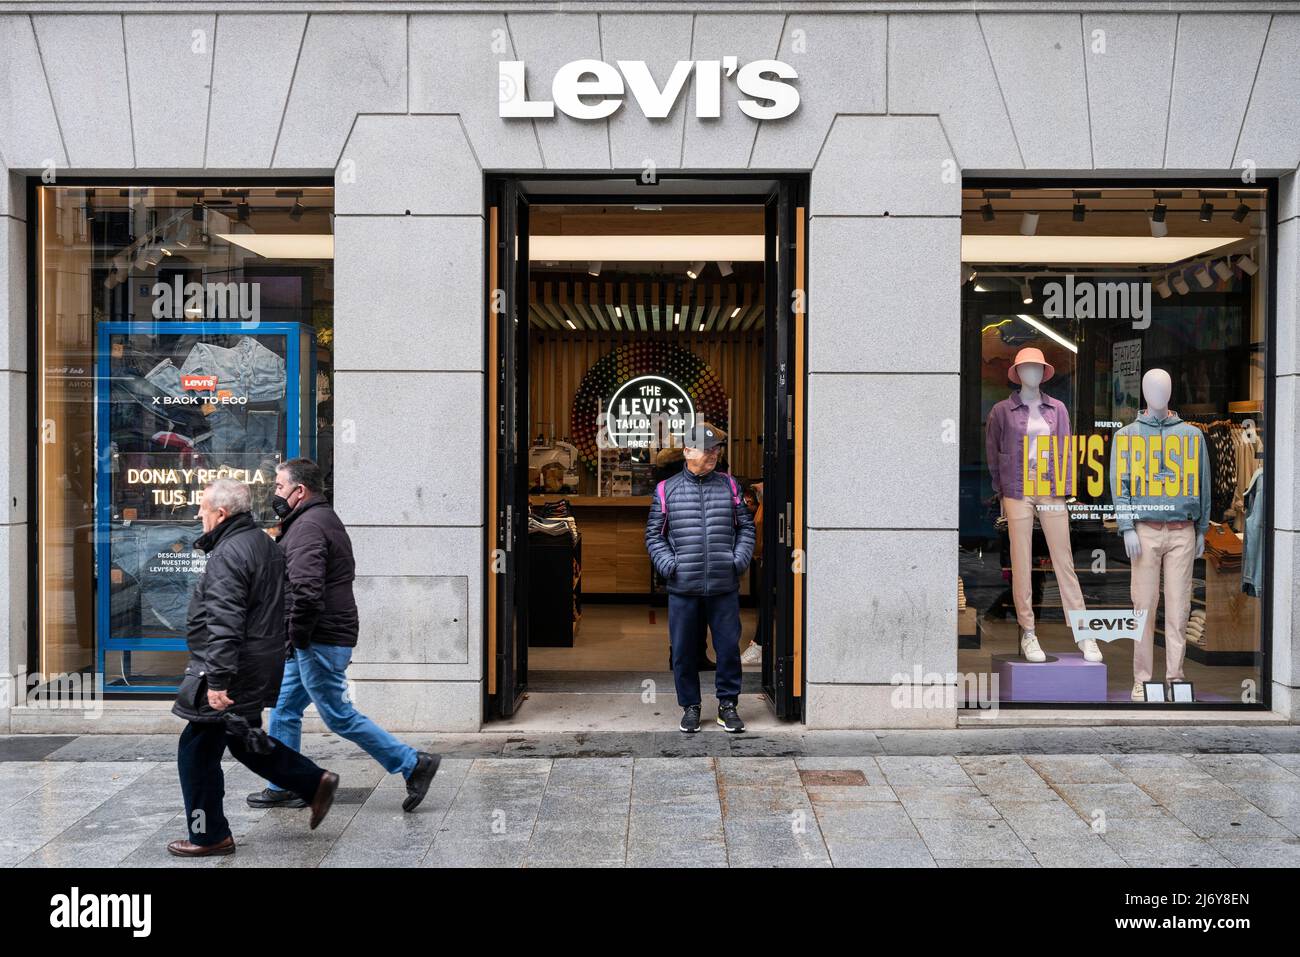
(281, 506)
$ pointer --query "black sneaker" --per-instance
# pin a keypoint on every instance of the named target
(272, 797)
(417, 785)
(728, 719)
(690, 719)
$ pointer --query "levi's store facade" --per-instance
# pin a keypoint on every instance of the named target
(1005, 359)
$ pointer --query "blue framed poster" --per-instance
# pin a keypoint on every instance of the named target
(179, 404)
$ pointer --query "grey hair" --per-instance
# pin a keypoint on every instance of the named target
(229, 494)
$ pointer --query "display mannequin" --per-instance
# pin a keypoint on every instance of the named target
(1030, 416)
(1160, 482)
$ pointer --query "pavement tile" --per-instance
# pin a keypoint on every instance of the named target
(1259, 852)
(885, 852)
(932, 771)
(952, 839)
(946, 802)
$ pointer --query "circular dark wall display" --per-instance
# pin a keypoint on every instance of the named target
(686, 373)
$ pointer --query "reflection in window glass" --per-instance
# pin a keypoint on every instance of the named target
(183, 335)
(1113, 399)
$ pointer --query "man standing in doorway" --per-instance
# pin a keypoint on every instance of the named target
(700, 538)
(322, 623)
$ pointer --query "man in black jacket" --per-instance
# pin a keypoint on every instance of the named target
(235, 634)
(321, 619)
(700, 537)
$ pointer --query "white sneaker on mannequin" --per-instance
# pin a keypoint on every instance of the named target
(1090, 650)
(1029, 647)
(753, 655)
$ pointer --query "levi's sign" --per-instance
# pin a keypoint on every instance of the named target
(593, 90)
(1108, 624)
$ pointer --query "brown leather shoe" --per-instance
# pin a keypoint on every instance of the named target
(324, 799)
(188, 849)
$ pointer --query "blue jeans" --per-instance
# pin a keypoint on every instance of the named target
(318, 675)
(687, 615)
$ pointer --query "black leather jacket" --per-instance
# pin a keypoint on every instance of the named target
(236, 623)
(708, 539)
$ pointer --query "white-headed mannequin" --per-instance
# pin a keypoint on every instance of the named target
(1157, 387)
(1031, 377)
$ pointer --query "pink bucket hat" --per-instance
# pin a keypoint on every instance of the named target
(1030, 354)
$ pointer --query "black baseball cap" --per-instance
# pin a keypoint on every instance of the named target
(703, 436)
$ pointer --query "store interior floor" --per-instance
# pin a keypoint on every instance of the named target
(616, 677)
(1217, 683)
(625, 638)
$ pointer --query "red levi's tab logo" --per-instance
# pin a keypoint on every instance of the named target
(199, 383)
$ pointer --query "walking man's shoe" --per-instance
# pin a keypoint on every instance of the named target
(728, 719)
(273, 797)
(187, 849)
(324, 800)
(690, 719)
(417, 785)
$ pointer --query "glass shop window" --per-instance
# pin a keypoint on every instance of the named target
(183, 334)
(1113, 445)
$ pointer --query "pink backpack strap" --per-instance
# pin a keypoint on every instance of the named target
(663, 506)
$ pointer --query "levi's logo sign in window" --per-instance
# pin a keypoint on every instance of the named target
(199, 383)
(1108, 624)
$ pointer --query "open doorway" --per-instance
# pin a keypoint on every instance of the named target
(608, 296)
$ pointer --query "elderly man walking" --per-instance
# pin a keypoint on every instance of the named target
(321, 616)
(700, 537)
(235, 634)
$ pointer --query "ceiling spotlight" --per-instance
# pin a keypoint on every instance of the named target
(1159, 228)
(241, 211)
(152, 256)
(1179, 282)
(1028, 224)
(724, 267)
(1240, 213)
(1247, 265)
(197, 211)
(1158, 212)
(618, 312)
(569, 323)
(183, 235)
(1079, 212)
(1207, 211)
(1222, 269)
(1026, 294)
(298, 209)
(735, 312)
(967, 273)
(694, 269)
(986, 212)
(593, 267)
(1202, 276)
(1162, 287)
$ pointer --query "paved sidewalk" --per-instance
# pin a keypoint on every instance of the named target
(1178, 797)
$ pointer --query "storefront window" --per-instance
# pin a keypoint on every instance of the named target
(1113, 444)
(183, 334)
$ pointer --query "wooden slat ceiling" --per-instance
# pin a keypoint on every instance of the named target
(649, 306)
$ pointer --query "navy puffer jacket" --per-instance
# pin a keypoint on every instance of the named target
(708, 539)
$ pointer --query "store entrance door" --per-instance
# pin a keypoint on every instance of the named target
(778, 587)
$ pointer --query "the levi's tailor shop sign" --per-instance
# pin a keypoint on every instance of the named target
(646, 411)
(593, 89)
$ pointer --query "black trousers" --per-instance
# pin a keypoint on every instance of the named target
(202, 746)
